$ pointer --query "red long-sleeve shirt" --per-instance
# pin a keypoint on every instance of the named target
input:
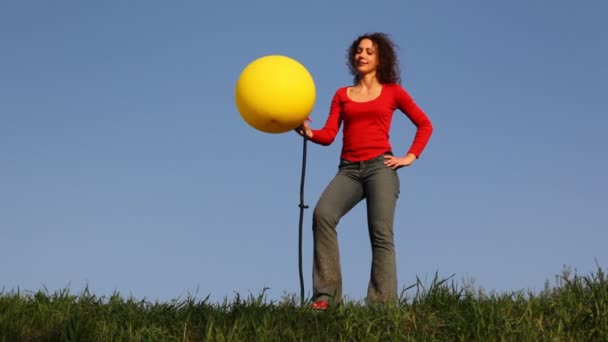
(367, 124)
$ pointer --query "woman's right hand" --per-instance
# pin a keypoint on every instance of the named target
(304, 129)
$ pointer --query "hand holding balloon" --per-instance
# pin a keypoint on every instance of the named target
(304, 128)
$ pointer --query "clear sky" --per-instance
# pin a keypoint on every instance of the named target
(125, 166)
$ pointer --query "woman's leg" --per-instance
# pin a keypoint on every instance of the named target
(340, 196)
(381, 186)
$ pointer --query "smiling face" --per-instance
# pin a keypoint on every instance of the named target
(373, 54)
(366, 57)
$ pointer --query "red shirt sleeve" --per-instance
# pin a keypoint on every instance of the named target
(327, 134)
(424, 127)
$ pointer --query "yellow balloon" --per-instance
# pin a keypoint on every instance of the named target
(275, 94)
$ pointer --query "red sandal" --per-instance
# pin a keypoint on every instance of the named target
(320, 305)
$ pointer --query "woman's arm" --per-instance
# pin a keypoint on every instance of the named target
(424, 127)
(327, 134)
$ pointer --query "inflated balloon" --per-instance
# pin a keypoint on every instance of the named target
(275, 94)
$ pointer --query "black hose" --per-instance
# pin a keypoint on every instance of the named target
(302, 207)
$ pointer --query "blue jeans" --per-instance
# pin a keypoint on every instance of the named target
(378, 184)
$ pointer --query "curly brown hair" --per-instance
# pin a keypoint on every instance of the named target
(388, 62)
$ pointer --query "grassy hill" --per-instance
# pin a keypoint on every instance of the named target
(574, 309)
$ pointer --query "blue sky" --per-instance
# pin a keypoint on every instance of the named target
(125, 166)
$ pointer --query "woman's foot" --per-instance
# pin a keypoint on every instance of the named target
(320, 305)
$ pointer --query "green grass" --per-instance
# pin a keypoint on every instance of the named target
(573, 309)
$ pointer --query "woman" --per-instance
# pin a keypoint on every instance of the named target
(367, 169)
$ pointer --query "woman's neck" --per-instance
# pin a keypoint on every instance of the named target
(369, 81)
